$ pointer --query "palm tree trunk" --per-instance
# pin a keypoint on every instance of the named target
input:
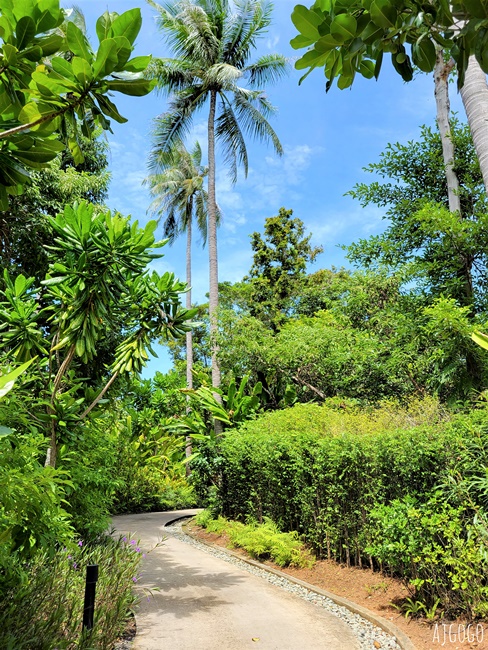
(189, 336)
(212, 252)
(474, 94)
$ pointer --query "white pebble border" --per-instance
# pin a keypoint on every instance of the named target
(366, 633)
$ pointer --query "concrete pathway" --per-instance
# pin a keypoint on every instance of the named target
(204, 603)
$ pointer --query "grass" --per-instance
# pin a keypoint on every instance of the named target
(43, 609)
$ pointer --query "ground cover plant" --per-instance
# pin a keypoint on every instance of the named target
(262, 541)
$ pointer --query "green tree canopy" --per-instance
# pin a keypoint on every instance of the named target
(280, 260)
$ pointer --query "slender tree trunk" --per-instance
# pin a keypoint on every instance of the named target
(52, 450)
(212, 252)
(474, 94)
(189, 336)
(441, 80)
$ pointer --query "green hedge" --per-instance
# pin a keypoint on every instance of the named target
(327, 472)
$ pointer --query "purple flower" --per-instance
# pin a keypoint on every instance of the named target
(138, 550)
(80, 543)
(70, 557)
(75, 566)
(143, 555)
(132, 541)
(134, 579)
(124, 539)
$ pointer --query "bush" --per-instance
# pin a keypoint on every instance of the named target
(438, 554)
(346, 480)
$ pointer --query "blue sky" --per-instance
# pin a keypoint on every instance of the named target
(327, 139)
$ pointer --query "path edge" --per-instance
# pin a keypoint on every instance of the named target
(402, 639)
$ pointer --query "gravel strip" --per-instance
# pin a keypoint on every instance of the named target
(369, 636)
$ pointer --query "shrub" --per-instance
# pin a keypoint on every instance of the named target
(360, 489)
(439, 556)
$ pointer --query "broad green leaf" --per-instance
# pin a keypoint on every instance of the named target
(29, 113)
(424, 55)
(21, 8)
(371, 33)
(109, 108)
(135, 87)
(7, 380)
(481, 339)
(63, 67)
(124, 50)
(301, 41)
(82, 70)
(377, 67)
(7, 108)
(312, 58)
(383, 13)
(11, 173)
(106, 60)
(481, 48)
(25, 32)
(48, 15)
(9, 53)
(103, 25)
(77, 42)
(476, 8)
(5, 431)
(50, 44)
(306, 21)
(128, 25)
(343, 28)
(49, 82)
(33, 53)
(366, 68)
(4, 205)
(19, 285)
(326, 43)
(137, 64)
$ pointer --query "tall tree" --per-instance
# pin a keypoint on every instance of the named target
(279, 263)
(179, 196)
(212, 43)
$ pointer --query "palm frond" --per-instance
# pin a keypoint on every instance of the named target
(229, 133)
(221, 75)
(176, 123)
(253, 118)
(257, 22)
(172, 75)
(267, 69)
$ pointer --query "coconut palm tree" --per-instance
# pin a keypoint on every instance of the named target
(179, 196)
(212, 41)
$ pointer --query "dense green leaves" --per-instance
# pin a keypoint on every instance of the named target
(41, 96)
(361, 31)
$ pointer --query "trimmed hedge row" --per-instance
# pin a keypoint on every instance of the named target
(324, 486)
(361, 490)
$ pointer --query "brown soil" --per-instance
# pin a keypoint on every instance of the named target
(377, 592)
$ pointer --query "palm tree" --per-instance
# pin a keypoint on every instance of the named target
(179, 196)
(212, 41)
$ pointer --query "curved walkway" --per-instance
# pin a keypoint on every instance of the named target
(203, 603)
